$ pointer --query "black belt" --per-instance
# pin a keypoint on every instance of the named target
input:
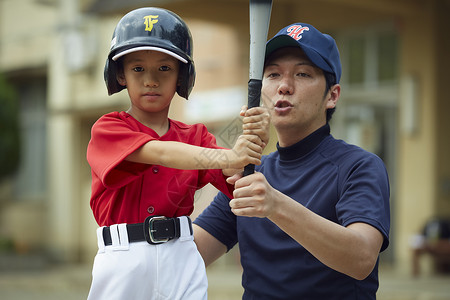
(154, 230)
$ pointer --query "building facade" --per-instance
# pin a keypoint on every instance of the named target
(52, 52)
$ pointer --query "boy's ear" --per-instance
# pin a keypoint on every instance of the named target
(121, 79)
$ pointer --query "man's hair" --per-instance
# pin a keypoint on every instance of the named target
(330, 80)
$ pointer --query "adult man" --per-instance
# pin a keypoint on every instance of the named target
(313, 219)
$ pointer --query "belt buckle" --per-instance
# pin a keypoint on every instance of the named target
(151, 230)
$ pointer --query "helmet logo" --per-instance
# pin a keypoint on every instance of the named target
(296, 31)
(149, 21)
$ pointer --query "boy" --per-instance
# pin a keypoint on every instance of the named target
(147, 167)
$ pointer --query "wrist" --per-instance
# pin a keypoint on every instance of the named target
(232, 160)
(279, 208)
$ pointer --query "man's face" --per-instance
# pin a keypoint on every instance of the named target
(293, 90)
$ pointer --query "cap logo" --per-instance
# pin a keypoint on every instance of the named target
(149, 21)
(296, 31)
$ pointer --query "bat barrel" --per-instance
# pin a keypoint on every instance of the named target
(260, 11)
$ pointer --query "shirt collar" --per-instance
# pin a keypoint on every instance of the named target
(304, 146)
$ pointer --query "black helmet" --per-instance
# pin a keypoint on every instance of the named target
(157, 29)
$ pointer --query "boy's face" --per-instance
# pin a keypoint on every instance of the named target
(294, 91)
(151, 80)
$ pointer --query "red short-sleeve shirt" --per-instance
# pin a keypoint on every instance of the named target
(127, 192)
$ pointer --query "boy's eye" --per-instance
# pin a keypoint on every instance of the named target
(164, 68)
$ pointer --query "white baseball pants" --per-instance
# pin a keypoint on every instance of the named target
(133, 271)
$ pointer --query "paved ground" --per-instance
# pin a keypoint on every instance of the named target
(72, 282)
(394, 287)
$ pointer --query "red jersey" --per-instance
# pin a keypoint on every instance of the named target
(128, 192)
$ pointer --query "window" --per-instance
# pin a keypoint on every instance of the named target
(356, 52)
(30, 181)
(387, 57)
(369, 58)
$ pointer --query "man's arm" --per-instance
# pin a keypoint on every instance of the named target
(352, 250)
(209, 247)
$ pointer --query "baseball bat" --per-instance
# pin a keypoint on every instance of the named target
(260, 11)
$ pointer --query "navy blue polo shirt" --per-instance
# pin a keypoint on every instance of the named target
(338, 181)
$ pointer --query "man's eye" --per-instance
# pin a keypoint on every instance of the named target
(138, 69)
(303, 74)
(272, 75)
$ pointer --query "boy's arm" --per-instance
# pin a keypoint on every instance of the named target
(184, 156)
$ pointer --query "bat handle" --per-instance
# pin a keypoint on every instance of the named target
(249, 169)
(254, 96)
(254, 92)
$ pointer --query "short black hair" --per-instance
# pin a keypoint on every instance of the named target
(330, 80)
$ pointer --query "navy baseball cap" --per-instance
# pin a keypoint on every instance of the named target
(320, 48)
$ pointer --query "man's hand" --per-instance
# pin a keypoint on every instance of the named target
(253, 196)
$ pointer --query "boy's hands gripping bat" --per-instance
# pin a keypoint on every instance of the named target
(259, 26)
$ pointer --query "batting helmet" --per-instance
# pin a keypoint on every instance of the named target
(156, 29)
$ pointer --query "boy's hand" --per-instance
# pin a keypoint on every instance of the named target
(231, 173)
(255, 125)
(256, 121)
(247, 150)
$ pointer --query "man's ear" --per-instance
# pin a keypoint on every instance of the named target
(333, 96)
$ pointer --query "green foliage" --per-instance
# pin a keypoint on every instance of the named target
(9, 129)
